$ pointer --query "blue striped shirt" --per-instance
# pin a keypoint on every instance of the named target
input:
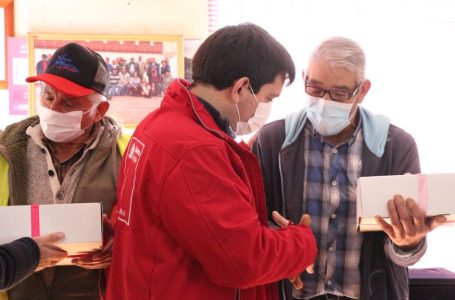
(329, 195)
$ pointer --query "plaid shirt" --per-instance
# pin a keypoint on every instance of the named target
(330, 197)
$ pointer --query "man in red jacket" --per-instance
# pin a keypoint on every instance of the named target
(190, 218)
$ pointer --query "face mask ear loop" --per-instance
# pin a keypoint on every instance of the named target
(237, 107)
(356, 97)
(352, 107)
(238, 112)
(254, 95)
(92, 108)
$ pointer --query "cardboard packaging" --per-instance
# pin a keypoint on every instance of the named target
(434, 193)
(81, 223)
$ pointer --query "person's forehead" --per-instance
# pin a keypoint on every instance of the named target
(76, 100)
(329, 75)
(274, 88)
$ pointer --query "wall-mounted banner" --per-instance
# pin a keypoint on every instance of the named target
(17, 72)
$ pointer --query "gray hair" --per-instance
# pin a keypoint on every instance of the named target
(342, 52)
(96, 98)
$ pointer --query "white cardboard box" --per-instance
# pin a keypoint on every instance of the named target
(81, 223)
(435, 194)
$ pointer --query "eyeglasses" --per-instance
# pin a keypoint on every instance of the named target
(335, 95)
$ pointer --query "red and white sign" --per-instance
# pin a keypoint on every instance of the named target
(17, 72)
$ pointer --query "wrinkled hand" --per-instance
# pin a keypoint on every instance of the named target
(283, 222)
(98, 258)
(50, 254)
(408, 222)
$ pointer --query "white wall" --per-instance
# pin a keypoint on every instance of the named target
(136, 17)
(186, 17)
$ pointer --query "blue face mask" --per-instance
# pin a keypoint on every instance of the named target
(328, 117)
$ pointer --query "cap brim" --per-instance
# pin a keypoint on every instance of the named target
(61, 84)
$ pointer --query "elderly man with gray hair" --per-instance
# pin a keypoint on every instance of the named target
(311, 161)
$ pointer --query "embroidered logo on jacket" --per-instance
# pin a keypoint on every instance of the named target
(129, 169)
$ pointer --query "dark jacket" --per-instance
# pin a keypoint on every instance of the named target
(381, 278)
(18, 260)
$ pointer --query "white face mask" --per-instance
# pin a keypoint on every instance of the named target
(61, 127)
(257, 120)
(328, 117)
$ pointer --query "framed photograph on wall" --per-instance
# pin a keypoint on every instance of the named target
(141, 67)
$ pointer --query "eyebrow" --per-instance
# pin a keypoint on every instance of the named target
(336, 87)
(342, 87)
(66, 98)
(274, 95)
(46, 89)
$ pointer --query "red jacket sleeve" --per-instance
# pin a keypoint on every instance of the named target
(207, 208)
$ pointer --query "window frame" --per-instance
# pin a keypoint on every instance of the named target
(8, 6)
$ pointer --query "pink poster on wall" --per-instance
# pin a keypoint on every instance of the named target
(17, 72)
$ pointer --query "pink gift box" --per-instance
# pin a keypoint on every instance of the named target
(81, 223)
(434, 193)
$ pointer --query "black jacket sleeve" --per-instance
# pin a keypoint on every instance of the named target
(18, 260)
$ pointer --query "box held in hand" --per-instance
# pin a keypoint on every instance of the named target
(81, 223)
(434, 193)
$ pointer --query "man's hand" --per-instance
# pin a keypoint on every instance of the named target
(99, 258)
(283, 222)
(408, 223)
(50, 254)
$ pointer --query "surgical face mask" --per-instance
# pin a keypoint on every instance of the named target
(257, 120)
(328, 117)
(61, 127)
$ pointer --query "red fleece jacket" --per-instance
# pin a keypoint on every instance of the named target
(191, 218)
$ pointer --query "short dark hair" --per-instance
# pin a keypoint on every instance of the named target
(237, 51)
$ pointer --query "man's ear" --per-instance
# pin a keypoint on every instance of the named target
(101, 110)
(364, 90)
(237, 88)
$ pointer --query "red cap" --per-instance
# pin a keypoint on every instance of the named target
(75, 71)
(61, 84)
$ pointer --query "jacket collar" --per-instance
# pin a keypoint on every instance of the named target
(178, 96)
